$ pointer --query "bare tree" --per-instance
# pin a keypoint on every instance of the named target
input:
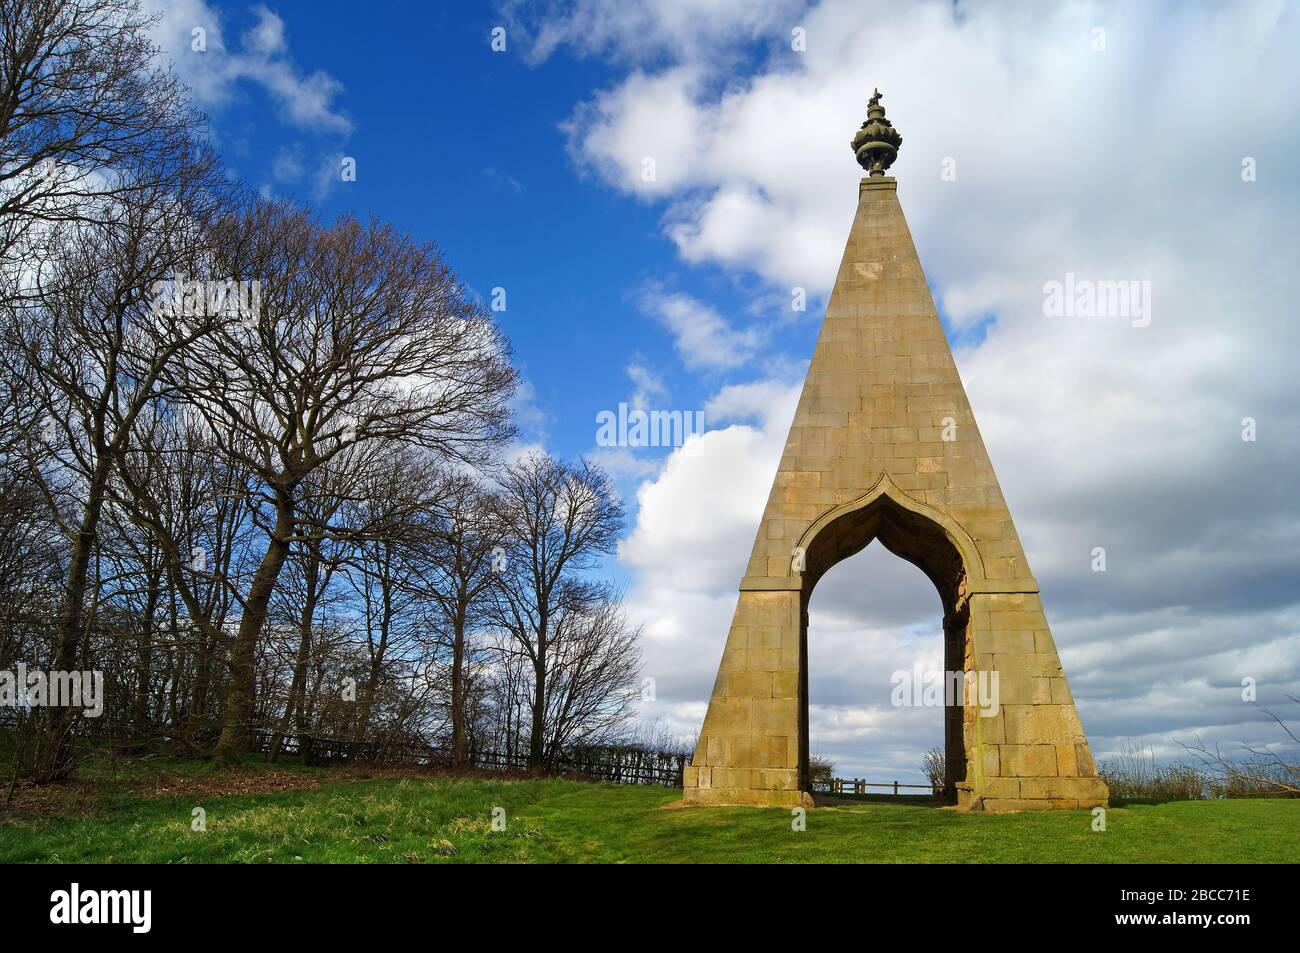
(194, 504)
(95, 349)
(1266, 771)
(821, 772)
(388, 525)
(83, 97)
(315, 559)
(30, 548)
(139, 571)
(591, 688)
(935, 769)
(363, 336)
(509, 688)
(557, 520)
(466, 557)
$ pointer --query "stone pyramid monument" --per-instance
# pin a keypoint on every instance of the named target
(884, 446)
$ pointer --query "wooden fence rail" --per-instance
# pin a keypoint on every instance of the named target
(859, 786)
(621, 765)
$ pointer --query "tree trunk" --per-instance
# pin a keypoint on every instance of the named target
(243, 654)
(54, 760)
(144, 668)
(459, 740)
(298, 684)
(196, 719)
(179, 663)
(377, 654)
(536, 743)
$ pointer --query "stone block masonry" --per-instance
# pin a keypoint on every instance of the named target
(884, 447)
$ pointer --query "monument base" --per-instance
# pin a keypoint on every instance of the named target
(704, 795)
(1007, 795)
(997, 796)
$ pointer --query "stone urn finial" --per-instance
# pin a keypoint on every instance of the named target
(876, 143)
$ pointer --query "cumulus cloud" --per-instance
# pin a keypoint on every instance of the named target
(642, 136)
(639, 30)
(261, 56)
(695, 523)
(768, 402)
(704, 339)
(648, 384)
(193, 37)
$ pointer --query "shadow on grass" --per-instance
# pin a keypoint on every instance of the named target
(1131, 801)
(900, 800)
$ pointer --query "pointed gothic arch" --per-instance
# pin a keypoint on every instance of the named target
(907, 527)
(935, 544)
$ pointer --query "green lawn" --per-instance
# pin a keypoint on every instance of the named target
(144, 815)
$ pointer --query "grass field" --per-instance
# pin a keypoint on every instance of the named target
(143, 814)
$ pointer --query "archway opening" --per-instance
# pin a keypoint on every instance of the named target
(895, 605)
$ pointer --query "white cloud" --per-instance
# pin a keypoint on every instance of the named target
(625, 463)
(263, 58)
(287, 166)
(696, 522)
(632, 30)
(267, 37)
(768, 402)
(219, 73)
(643, 135)
(648, 385)
(531, 420)
(704, 339)
(502, 181)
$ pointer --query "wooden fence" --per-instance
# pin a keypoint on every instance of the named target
(616, 763)
(859, 786)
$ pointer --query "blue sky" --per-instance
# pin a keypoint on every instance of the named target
(1107, 140)
(465, 146)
